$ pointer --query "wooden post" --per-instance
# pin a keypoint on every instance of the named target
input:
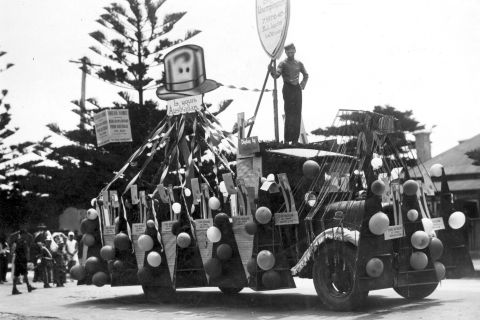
(275, 103)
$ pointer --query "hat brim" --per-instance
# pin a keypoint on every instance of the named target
(206, 86)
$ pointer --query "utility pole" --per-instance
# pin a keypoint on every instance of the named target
(275, 103)
(85, 62)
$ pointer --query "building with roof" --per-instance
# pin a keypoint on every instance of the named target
(463, 181)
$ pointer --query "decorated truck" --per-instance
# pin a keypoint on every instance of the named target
(194, 208)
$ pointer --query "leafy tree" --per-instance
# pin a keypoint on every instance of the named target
(133, 39)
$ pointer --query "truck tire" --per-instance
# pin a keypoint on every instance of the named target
(416, 292)
(333, 277)
(230, 290)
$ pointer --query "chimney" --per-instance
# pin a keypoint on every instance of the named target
(423, 145)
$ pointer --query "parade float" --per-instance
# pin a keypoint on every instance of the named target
(196, 206)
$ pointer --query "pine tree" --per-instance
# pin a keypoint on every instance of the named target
(133, 39)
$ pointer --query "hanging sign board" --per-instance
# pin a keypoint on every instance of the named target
(112, 126)
(185, 105)
(272, 25)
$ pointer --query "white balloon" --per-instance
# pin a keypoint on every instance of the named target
(214, 203)
(436, 170)
(420, 240)
(378, 223)
(214, 234)
(412, 214)
(456, 220)
(154, 259)
(176, 207)
(145, 242)
(187, 192)
(92, 214)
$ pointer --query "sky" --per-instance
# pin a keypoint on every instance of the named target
(417, 55)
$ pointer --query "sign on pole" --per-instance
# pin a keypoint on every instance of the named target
(112, 126)
(273, 17)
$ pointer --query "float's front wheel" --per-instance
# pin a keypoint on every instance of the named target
(333, 277)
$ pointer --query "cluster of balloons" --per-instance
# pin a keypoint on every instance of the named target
(265, 260)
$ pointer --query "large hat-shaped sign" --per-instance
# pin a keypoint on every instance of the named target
(272, 25)
(185, 74)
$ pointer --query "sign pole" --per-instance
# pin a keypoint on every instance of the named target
(275, 103)
(259, 100)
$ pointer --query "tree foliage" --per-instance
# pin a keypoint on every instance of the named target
(475, 156)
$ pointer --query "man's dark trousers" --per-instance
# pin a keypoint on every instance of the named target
(292, 97)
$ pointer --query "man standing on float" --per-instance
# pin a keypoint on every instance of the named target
(290, 70)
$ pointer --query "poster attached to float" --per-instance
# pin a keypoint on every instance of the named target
(112, 126)
(273, 17)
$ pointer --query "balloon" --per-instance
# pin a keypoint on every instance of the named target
(378, 187)
(436, 170)
(224, 251)
(100, 279)
(271, 177)
(176, 226)
(214, 203)
(251, 227)
(213, 267)
(427, 225)
(88, 239)
(263, 215)
(92, 214)
(150, 223)
(78, 272)
(374, 267)
(310, 169)
(176, 207)
(145, 275)
(412, 215)
(221, 218)
(145, 242)
(92, 265)
(107, 253)
(456, 220)
(420, 240)
(187, 192)
(183, 240)
(118, 265)
(88, 226)
(410, 187)
(265, 260)
(310, 198)
(439, 270)
(378, 223)
(436, 248)
(154, 259)
(121, 241)
(252, 266)
(214, 234)
(418, 260)
(271, 279)
(376, 163)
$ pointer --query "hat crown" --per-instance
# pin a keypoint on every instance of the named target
(184, 68)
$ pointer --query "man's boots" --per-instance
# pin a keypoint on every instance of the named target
(30, 288)
(15, 291)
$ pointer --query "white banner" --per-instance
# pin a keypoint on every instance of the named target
(184, 105)
(112, 126)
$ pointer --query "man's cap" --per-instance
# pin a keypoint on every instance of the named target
(289, 46)
(71, 233)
